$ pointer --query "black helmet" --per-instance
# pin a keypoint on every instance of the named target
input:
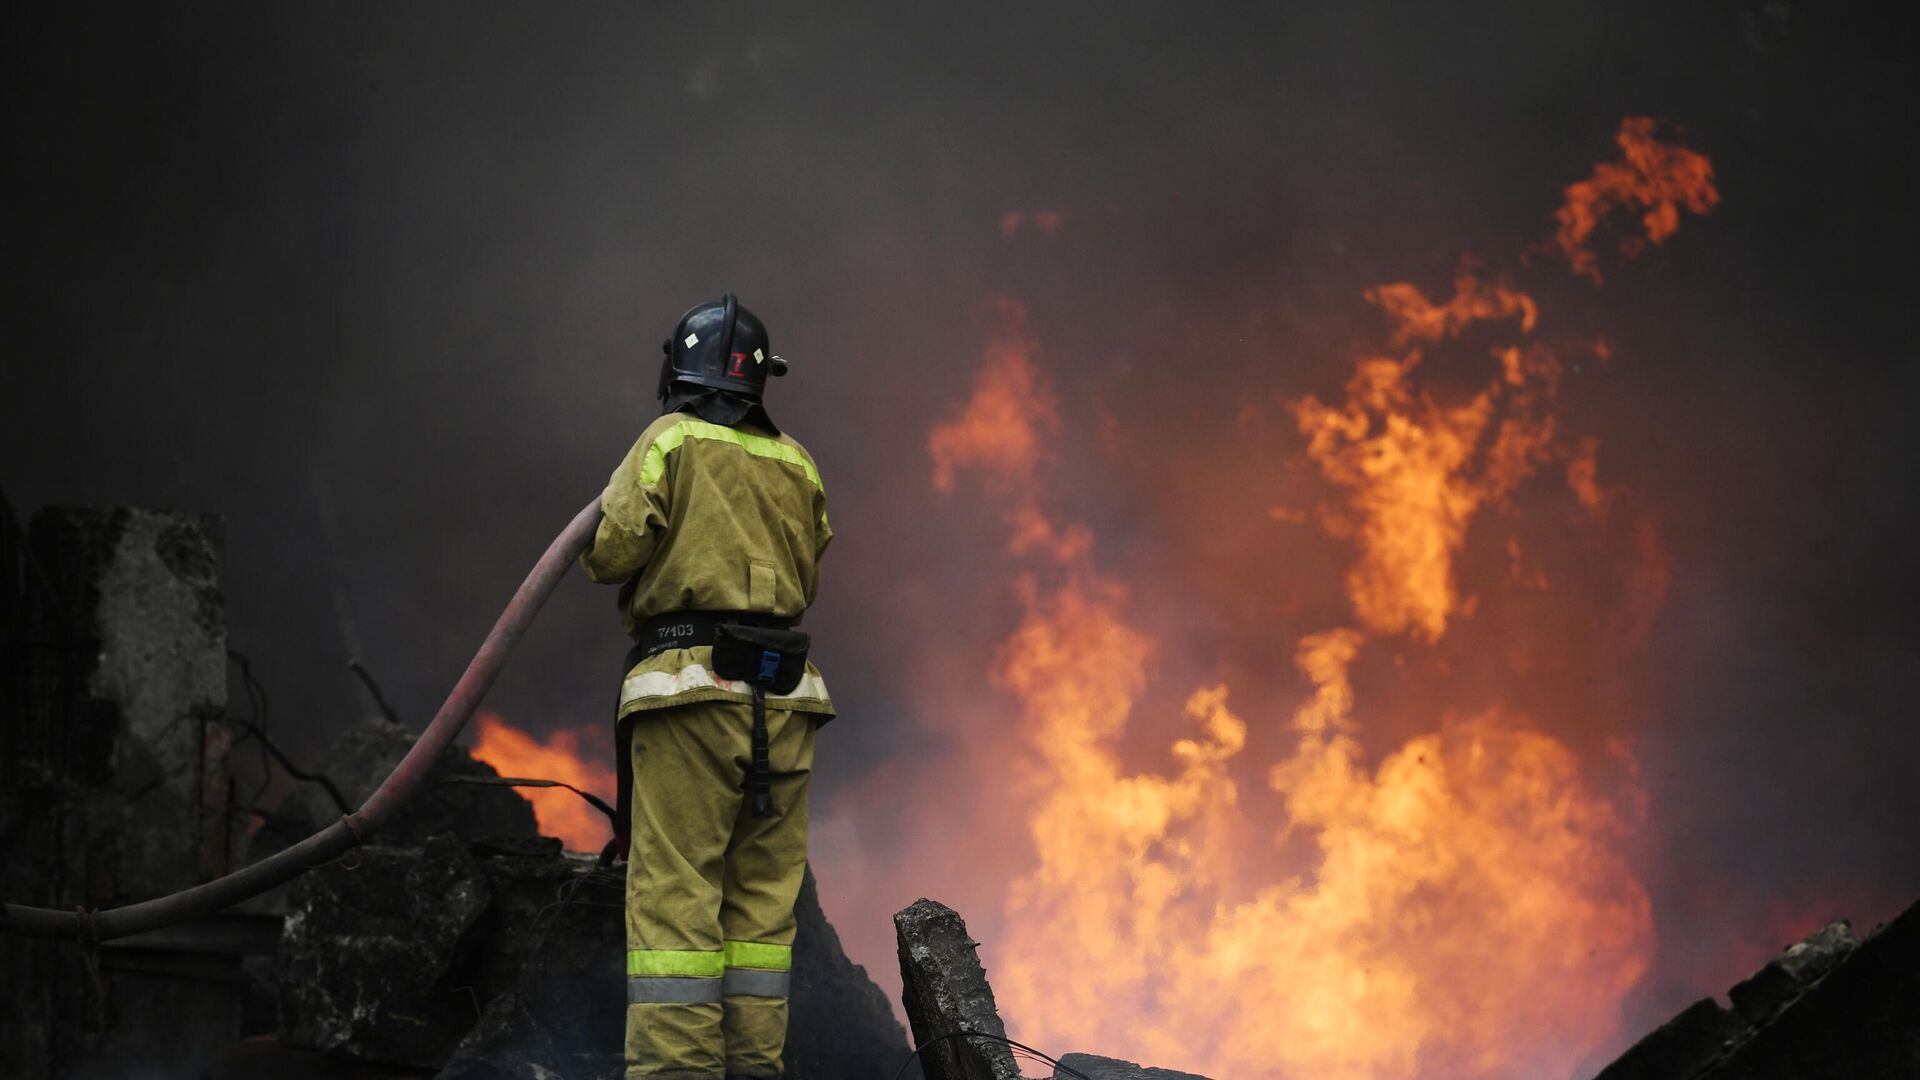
(721, 346)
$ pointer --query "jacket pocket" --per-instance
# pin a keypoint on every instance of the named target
(760, 585)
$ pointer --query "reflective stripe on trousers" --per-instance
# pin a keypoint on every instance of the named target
(692, 977)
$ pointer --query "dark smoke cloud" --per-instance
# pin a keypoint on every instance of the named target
(384, 284)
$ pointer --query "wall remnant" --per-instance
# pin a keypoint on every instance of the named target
(113, 744)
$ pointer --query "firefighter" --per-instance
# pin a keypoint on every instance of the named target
(714, 527)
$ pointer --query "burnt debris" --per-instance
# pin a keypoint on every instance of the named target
(462, 944)
(1100, 1068)
(504, 957)
(1828, 1006)
(950, 1005)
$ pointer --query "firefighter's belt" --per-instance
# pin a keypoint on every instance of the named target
(757, 649)
(688, 629)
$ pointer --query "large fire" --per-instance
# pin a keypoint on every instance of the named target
(559, 812)
(1457, 905)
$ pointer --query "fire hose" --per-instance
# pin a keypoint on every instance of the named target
(354, 828)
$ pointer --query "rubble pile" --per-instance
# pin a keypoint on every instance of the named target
(366, 753)
(461, 944)
(503, 957)
(1829, 1006)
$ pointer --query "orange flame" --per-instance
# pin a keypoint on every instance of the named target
(1418, 319)
(1409, 463)
(559, 812)
(1656, 178)
(1583, 476)
(1008, 415)
(1457, 906)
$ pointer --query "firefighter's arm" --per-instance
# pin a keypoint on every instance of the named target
(635, 508)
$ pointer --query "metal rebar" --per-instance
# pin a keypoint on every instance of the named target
(354, 828)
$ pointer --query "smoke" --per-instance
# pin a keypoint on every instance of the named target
(426, 255)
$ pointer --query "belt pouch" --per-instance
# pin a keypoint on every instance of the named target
(764, 658)
(762, 655)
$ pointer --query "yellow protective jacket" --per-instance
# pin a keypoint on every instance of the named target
(702, 517)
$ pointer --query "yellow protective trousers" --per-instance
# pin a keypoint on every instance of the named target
(710, 891)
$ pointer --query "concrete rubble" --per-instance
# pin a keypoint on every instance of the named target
(377, 946)
(367, 751)
(503, 957)
(840, 1024)
(114, 784)
(460, 944)
(463, 945)
(947, 996)
(1100, 1068)
(1829, 1006)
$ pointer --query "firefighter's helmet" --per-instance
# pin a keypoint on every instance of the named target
(720, 345)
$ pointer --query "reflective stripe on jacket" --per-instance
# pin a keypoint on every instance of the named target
(701, 517)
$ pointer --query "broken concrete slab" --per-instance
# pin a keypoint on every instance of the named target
(130, 693)
(557, 942)
(1073, 1066)
(1860, 1020)
(1679, 1047)
(947, 997)
(374, 955)
(1826, 1007)
(357, 763)
(507, 1044)
(114, 785)
(368, 751)
(839, 1024)
(1761, 996)
(524, 973)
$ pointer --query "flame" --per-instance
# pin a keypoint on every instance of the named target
(1408, 461)
(1418, 319)
(1468, 911)
(559, 812)
(1009, 413)
(1653, 177)
(1455, 903)
(1583, 477)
